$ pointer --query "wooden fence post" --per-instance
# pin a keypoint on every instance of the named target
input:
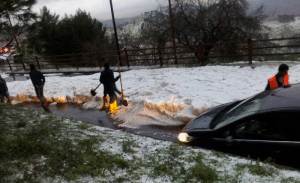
(38, 63)
(201, 51)
(55, 61)
(176, 62)
(126, 57)
(98, 59)
(250, 50)
(75, 60)
(9, 64)
(22, 61)
(159, 55)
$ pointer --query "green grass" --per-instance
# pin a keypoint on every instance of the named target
(25, 140)
(37, 146)
(257, 169)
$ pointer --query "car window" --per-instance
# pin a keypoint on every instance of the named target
(278, 126)
(244, 109)
(291, 124)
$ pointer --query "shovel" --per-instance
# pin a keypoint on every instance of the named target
(123, 101)
(93, 91)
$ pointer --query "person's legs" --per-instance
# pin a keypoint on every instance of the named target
(39, 94)
(105, 102)
(42, 94)
(8, 97)
(112, 107)
(113, 104)
(37, 91)
(2, 98)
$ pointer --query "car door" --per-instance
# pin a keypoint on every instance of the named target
(268, 132)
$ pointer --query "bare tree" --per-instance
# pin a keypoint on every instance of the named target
(155, 29)
(210, 21)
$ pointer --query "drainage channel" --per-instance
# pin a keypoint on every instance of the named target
(101, 118)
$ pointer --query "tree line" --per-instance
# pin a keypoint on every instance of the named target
(195, 22)
(48, 34)
(72, 34)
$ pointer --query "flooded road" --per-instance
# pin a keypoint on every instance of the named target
(165, 133)
(101, 118)
(96, 117)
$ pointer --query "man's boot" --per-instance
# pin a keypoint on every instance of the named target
(105, 104)
(112, 108)
(115, 105)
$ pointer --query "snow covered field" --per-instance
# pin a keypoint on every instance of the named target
(166, 96)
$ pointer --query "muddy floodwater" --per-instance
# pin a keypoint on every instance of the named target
(101, 118)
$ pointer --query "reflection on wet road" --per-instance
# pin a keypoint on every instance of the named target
(101, 118)
(96, 117)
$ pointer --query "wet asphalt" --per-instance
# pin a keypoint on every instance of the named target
(99, 117)
(102, 118)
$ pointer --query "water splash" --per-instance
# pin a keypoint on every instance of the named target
(138, 112)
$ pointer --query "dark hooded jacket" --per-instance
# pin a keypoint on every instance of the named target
(3, 87)
(37, 77)
(108, 80)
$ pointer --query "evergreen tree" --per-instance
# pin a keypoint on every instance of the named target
(72, 34)
(20, 12)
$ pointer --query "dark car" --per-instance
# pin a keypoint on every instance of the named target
(267, 121)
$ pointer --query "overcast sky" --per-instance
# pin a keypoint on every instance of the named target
(100, 9)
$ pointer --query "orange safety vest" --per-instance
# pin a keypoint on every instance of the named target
(273, 83)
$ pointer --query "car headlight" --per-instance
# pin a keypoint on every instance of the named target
(184, 137)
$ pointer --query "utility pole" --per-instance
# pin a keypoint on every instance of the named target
(172, 31)
(116, 35)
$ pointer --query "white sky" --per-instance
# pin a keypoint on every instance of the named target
(99, 9)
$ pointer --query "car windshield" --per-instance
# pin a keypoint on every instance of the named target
(246, 108)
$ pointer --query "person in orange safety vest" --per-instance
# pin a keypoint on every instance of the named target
(281, 79)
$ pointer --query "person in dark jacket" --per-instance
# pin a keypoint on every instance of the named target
(38, 81)
(281, 79)
(4, 90)
(108, 80)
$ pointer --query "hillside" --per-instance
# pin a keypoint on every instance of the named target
(119, 22)
(272, 27)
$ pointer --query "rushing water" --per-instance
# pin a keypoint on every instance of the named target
(101, 118)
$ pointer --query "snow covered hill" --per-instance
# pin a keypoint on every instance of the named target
(271, 27)
(277, 29)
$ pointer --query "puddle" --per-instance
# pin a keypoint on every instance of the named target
(157, 132)
(94, 116)
(101, 118)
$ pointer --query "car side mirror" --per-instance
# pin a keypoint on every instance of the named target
(229, 140)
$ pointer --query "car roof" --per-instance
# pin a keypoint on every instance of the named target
(282, 98)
